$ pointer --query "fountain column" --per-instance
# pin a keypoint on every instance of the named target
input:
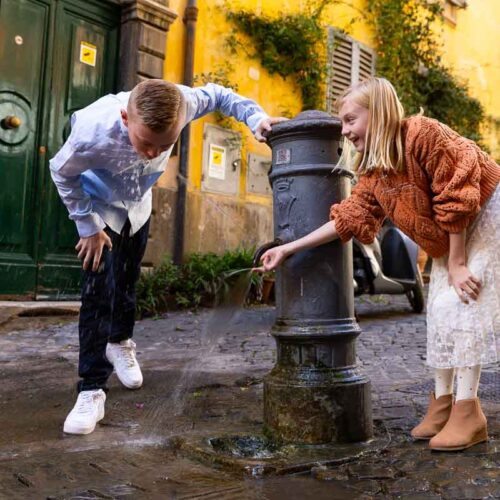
(315, 393)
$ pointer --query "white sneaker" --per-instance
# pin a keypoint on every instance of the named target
(88, 410)
(122, 357)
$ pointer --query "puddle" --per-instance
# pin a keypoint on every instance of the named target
(244, 446)
(254, 455)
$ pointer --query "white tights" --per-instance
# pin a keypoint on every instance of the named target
(467, 381)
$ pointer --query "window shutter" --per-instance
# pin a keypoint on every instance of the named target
(340, 65)
(348, 63)
(366, 63)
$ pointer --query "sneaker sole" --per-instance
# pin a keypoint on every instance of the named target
(128, 386)
(137, 385)
(78, 431)
(134, 388)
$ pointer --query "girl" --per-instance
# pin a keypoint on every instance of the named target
(442, 191)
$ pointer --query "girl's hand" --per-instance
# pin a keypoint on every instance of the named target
(271, 259)
(465, 283)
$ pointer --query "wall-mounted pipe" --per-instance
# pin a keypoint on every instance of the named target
(190, 17)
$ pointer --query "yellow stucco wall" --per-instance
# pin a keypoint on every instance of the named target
(277, 96)
(274, 94)
(472, 48)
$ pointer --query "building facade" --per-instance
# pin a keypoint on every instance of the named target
(57, 56)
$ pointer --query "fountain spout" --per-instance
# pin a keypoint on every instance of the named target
(264, 248)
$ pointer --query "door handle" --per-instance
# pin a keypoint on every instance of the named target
(10, 122)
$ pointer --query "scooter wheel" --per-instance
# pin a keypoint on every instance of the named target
(416, 294)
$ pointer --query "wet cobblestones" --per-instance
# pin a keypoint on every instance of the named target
(127, 456)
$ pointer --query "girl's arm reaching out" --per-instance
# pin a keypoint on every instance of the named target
(275, 256)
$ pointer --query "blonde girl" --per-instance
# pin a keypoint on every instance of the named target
(442, 191)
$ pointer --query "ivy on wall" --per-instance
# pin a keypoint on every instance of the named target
(291, 45)
(408, 54)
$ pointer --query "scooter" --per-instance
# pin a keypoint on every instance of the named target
(389, 265)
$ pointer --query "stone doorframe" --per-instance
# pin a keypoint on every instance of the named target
(144, 27)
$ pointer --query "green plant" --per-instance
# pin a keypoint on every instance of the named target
(201, 280)
(155, 287)
(220, 76)
(291, 45)
(408, 54)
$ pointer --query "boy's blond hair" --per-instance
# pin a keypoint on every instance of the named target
(383, 141)
(156, 103)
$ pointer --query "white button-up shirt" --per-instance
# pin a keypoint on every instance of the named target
(99, 176)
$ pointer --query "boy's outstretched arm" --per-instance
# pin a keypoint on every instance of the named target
(275, 256)
(212, 97)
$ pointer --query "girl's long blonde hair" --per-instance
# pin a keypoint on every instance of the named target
(383, 141)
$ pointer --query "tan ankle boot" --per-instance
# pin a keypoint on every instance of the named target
(436, 417)
(465, 427)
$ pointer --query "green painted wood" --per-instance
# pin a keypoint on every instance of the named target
(75, 85)
(24, 25)
(37, 239)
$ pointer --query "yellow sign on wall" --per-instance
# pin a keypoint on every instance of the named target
(88, 53)
(217, 162)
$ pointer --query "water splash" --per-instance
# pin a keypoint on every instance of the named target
(213, 330)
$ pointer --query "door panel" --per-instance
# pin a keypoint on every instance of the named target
(44, 78)
(91, 37)
(23, 29)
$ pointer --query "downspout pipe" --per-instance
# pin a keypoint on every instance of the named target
(190, 17)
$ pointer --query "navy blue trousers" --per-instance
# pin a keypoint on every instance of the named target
(107, 313)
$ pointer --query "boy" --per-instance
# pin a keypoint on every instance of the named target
(118, 148)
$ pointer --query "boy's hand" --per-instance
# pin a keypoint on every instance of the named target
(465, 283)
(90, 249)
(266, 126)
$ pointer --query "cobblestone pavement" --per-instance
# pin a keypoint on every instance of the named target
(193, 389)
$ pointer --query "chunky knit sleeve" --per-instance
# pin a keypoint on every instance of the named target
(453, 165)
(360, 215)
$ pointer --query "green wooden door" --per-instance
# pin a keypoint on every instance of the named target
(63, 56)
(24, 28)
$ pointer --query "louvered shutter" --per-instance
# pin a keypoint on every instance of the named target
(340, 61)
(366, 63)
(348, 63)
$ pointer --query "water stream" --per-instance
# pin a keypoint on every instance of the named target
(218, 324)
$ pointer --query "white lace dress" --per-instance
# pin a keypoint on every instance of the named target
(461, 334)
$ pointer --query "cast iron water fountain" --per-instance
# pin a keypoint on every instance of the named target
(315, 394)
(317, 404)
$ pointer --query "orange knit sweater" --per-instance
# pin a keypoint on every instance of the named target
(446, 181)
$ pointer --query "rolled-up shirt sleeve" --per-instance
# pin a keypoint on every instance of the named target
(66, 169)
(359, 216)
(213, 97)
